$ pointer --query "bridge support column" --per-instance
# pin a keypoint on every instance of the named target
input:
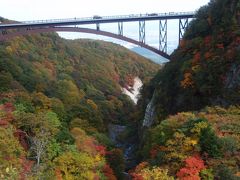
(183, 24)
(98, 26)
(120, 28)
(142, 32)
(163, 35)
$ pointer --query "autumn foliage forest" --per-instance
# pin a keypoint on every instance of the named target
(196, 127)
(57, 98)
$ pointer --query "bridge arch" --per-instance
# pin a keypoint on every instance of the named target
(8, 35)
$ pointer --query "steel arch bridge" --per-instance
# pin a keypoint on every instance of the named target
(11, 30)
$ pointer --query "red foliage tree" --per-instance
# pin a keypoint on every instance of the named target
(154, 151)
(207, 55)
(220, 46)
(193, 165)
(196, 58)
(136, 176)
(207, 40)
(22, 138)
(6, 115)
(108, 172)
(237, 40)
(8, 107)
(101, 149)
(26, 167)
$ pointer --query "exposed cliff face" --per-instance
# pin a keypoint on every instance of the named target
(134, 90)
(233, 77)
(149, 114)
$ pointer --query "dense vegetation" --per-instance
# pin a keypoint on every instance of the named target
(196, 100)
(200, 145)
(205, 68)
(57, 98)
(73, 71)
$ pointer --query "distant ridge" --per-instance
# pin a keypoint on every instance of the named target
(148, 54)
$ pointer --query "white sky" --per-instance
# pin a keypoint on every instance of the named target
(22, 10)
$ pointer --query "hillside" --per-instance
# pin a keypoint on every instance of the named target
(85, 69)
(205, 69)
(190, 121)
(57, 98)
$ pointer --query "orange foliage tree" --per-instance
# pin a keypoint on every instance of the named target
(187, 81)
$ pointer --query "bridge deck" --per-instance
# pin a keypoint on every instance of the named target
(69, 25)
(99, 19)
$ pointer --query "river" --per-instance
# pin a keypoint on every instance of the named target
(128, 146)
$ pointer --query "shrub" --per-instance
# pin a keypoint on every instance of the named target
(206, 174)
(144, 172)
(210, 143)
(223, 173)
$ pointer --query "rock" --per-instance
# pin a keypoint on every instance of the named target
(133, 91)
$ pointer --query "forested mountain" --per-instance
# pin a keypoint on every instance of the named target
(57, 98)
(73, 71)
(205, 68)
(203, 78)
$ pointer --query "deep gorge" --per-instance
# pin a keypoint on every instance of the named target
(66, 113)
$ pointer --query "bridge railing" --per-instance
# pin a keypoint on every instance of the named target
(94, 18)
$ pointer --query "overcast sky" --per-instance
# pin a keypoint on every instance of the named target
(22, 10)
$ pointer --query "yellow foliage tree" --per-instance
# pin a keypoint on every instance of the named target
(92, 104)
(10, 154)
(76, 165)
(154, 173)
